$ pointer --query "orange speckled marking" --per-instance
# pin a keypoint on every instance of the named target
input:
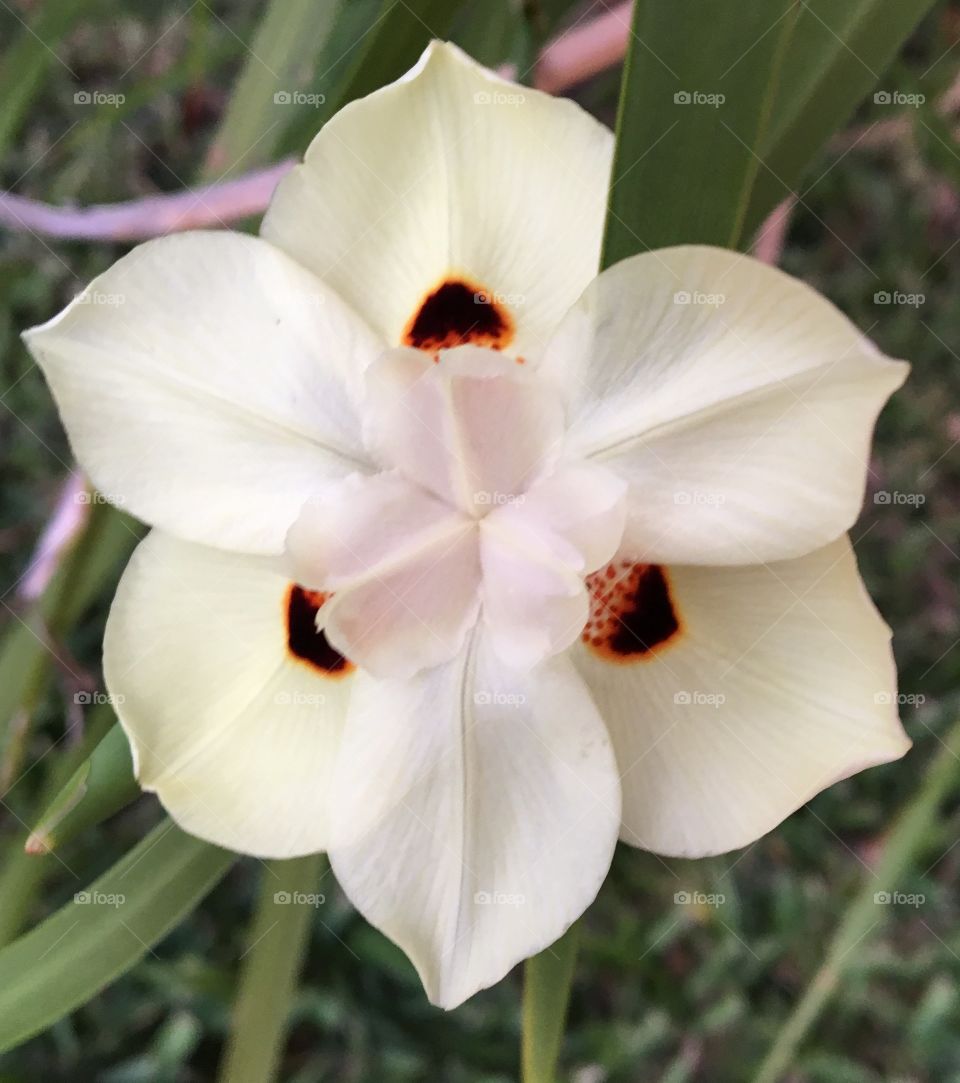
(303, 639)
(458, 312)
(633, 615)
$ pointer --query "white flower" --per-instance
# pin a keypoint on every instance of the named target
(566, 552)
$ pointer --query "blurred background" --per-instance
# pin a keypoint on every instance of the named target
(102, 102)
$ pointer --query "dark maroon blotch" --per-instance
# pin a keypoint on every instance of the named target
(303, 639)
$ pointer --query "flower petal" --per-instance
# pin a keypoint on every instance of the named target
(232, 702)
(534, 553)
(477, 812)
(447, 187)
(474, 429)
(404, 567)
(779, 683)
(208, 383)
(737, 401)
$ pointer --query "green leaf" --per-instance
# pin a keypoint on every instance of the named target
(278, 937)
(546, 994)
(374, 43)
(290, 36)
(25, 63)
(839, 51)
(102, 785)
(907, 841)
(698, 85)
(101, 934)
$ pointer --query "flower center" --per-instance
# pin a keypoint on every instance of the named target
(473, 516)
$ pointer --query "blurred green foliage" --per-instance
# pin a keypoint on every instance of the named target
(693, 993)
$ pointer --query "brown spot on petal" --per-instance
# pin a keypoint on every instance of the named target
(458, 312)
(303, 639)
(633, 614)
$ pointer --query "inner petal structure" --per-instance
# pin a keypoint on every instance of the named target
(474, 515)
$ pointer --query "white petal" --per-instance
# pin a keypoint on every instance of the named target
(476, 814)
(534, 602)
(739, 403)
(451, 174)
(474, 429)
(234, 732)
(404, 567)
(208, 383)
(582, 503)
(780, 682)
(535, 551)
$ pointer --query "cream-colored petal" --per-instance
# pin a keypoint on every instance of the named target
(737, 401)
(780, 682)
(476, 814)
(208, 384)
(234, 731)
(451, 174)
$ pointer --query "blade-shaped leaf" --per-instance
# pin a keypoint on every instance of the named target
(290, 36)
(101, 934)
(838, 52)
(373, 43)
(102, 785)
(698, 85)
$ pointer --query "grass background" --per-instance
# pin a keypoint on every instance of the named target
(691, 993)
